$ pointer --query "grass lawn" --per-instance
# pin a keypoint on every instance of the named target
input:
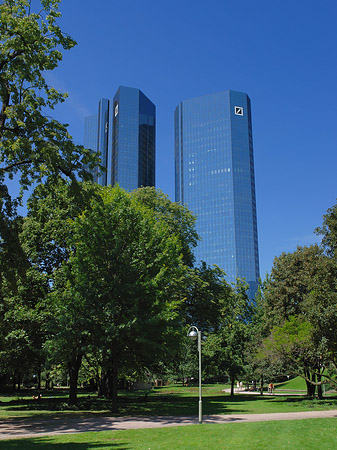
(295, 384)
(310, 434)
(170, 400)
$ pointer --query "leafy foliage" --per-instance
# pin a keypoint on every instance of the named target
(126, 268)
(207, 297)
(32, 143)
(328, 231)
(300, 309)
(177, 217)
(225, 348)
(115, 275)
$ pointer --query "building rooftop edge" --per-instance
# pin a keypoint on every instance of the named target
(213, 93)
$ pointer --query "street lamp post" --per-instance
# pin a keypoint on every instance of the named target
(193, 333)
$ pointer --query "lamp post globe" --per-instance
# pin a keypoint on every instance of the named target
(193, 335)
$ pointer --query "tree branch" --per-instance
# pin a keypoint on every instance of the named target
(4, 106)
(317, 383)
(10, 58)
(66, 172)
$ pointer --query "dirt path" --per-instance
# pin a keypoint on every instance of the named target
(17, 428)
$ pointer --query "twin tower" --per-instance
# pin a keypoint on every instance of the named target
(214, 168)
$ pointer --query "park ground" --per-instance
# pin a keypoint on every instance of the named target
(244, 421)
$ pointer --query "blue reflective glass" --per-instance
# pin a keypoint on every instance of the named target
(125, 138)
(215, 179)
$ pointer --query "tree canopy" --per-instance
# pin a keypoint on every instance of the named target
(32, 144)
(300, 299)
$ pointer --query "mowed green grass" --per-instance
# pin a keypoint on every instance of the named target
(309, 434)
(166, 401)
(296, 384)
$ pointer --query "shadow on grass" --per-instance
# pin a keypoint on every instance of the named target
(158, 402)
(174, 404)
(47, 444)
(129, 405)
(306, 401)
(177, 405)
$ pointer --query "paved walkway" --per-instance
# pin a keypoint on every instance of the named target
(19, 428)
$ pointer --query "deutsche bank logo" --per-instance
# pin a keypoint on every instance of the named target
(238, 110)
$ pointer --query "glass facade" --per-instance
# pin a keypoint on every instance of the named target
(103, 134)
(125, 138)
(133, 144)
(214, 170)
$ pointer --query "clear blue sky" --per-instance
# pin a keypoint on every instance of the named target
(283, 54)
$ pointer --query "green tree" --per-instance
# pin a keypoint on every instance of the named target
(33, 146)
(45, 238)
(302, 288)
(224, 349)
(320, 311)
(47, 228)
(259, 368)
(31, 143)
(23, 327)
(207, 297)
(322, 302)
(177, 217)
(123, 273)
(292, 347)
(328, 231)
(289, 284)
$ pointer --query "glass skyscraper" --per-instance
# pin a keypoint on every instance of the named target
(124, 133)
(214, 177)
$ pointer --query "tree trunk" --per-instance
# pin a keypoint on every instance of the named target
(309, 385)
(103, 384)
(73, 368)
(47, 385)
(232, 384)
(319, 388)
(3, 379)
(5, 104)
(39, 381)
(311, 388)
(93, 384)
(108, 382)
(114, 390)
(19, 381)
(261, 386)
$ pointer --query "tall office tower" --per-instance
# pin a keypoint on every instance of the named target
(124, 132)
(214, 171)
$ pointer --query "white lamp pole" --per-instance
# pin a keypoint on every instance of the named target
(193, 333)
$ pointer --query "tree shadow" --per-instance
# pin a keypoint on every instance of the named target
(307, 401)
(158, 402)
(176, 405)
(45, 443)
